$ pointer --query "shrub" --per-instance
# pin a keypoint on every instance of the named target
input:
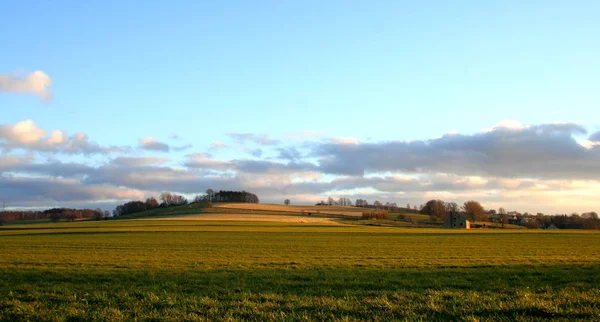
(375, 214)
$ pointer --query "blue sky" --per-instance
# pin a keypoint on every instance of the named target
(375, 71)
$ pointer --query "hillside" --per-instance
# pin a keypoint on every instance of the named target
(288, 214)
(250, 212)
(276, 213)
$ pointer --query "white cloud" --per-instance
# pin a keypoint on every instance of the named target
(28, 136)
(24, 132)
(35, 83)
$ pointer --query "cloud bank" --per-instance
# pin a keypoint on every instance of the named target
(528, 168)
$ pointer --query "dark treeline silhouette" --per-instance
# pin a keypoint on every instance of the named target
(438, 209)
(574, 221)
(167, 199)
(231, 196)
(54, 214)
(389, 206)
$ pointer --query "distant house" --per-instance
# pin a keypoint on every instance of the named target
(454, 220)
(551, 227)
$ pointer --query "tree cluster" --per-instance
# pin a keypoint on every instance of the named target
(228, 196)
(438, 209)
(167, 200)
(389, 206)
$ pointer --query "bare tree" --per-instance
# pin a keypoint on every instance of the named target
(210, 194)
(345, 201)
(151, 203)
(98, 213)
(361, 203)
(474, 210)
(435, 209)
(287, 202)
(166, 198)
(451, 207)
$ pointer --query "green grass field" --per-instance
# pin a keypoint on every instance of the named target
(162, 270)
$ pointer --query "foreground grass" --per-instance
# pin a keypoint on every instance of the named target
(148, 270)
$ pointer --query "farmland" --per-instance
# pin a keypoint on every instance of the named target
(207, 270)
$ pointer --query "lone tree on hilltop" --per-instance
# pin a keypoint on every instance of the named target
(286, 202)
(210, 194)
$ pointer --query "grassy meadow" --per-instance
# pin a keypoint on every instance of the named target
(190, 270)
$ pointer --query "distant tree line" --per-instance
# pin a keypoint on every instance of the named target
(438, 209)
(54, 214)
(228, 196)
(363, 203)
(588, 220)
(167, 199)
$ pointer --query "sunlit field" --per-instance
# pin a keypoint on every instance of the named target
(209, 270)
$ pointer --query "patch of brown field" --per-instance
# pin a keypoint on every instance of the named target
(254, 217)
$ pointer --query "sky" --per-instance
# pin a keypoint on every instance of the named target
(396, 101)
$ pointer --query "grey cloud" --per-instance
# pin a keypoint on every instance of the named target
(152, 144)
(9, 162)
(289, 153)
(28, 191)
(138, 161)
(204, 161)
(545, 151)
(595, 137)
(262, 166)
(56, 169)
(80, 144)
(255, 152)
